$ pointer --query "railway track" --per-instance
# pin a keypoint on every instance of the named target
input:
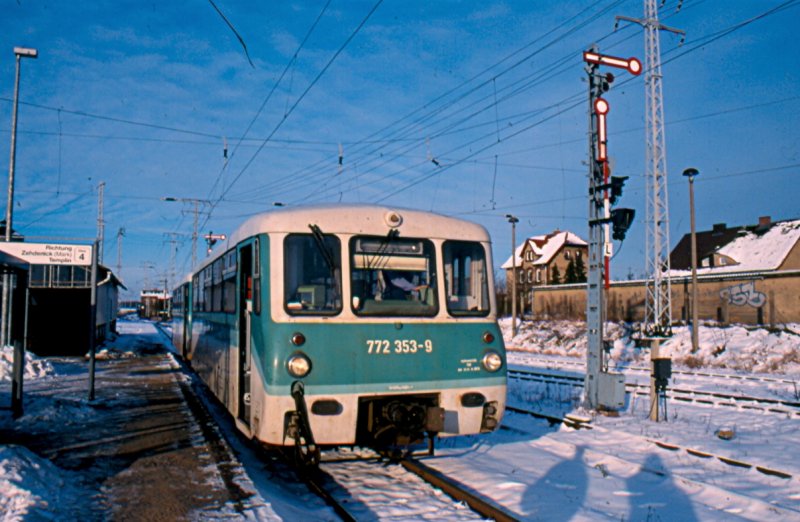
(457, 491)
(779, 406)
(363, 487)
(579, 423)
(688, 373)
(711, 489)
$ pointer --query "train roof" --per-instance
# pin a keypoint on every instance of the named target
(355, 219)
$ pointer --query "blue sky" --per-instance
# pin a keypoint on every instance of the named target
(472, 109)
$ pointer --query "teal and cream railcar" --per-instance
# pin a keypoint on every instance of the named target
(348, 324)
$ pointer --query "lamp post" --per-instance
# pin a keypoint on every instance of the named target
(19, 52)
(513, 220)
(691, 173)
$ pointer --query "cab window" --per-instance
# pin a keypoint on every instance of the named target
(393, 277)
(312, 274)
(466, 280)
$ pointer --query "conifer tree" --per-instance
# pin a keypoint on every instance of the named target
(580, 270)
(555, 276)
(570, 276)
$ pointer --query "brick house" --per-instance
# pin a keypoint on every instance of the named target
(769, 245)
(540, 258)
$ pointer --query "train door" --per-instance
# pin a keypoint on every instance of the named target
(245, 314)
(186, 308)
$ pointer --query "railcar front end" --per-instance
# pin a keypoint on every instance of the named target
(351, 325)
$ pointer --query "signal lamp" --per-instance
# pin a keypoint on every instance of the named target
(298, 339)
(617, 182)
(488, 337)
(621, 219)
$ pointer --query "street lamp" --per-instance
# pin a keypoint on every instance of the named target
(513, 220)
(691, 173)
(19, 52)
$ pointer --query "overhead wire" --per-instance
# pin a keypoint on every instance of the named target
(709, 39)
(295, 104)
(271, 92)
(706, 40)
(402, 134)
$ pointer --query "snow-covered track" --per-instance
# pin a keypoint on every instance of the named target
(682, 394)
(457, 491)
(578, 423)
(319, 483)
(553, 363)
(367, 488)
(552, 419)
(714, 488)
(361, 485)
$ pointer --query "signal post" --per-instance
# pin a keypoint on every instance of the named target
(604, 389)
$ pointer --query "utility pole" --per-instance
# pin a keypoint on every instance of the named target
(658, 305)
(196, 203)
(602, 388)
(513, 220)
(146, 267)
(101, 225)
(173, 238)
(120, 234)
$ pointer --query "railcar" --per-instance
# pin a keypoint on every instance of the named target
(339, 325)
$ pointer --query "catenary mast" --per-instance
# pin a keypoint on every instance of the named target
(658, 306)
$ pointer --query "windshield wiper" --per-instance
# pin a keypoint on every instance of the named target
(393, 233)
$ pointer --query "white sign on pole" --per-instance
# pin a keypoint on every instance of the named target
(49, 253)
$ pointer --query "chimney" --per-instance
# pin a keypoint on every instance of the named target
(764, 221)
(719, 228)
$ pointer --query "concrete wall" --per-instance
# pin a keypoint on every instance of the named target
(748, 299)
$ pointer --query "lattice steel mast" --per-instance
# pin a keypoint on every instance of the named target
(658, 305)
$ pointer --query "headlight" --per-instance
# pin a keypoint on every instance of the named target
(492, 361)
(298, 365)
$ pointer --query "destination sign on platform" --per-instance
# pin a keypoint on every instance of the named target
(49, 253)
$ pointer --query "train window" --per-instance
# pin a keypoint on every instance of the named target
(393, 277)
(229, 282)
(216, 286)
(466, 281)
(196, 305)
(206, 273)
(312, 274)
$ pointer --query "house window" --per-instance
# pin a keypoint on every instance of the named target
(530, 275)
(529, 255)
(567, 255)
(538, 275)
(521, 277)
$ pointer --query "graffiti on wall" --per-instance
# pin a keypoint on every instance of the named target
(743, 294)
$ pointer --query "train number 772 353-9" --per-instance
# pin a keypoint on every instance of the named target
(384, 346)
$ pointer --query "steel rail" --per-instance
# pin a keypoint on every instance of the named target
(677, 394)
(458, 492)
(690, 373)
(578, 424)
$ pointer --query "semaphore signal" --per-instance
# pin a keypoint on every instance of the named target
(633, 65)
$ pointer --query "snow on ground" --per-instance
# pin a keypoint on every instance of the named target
(739, 348)
(615, 471)
(31, 486)
(34, 366)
